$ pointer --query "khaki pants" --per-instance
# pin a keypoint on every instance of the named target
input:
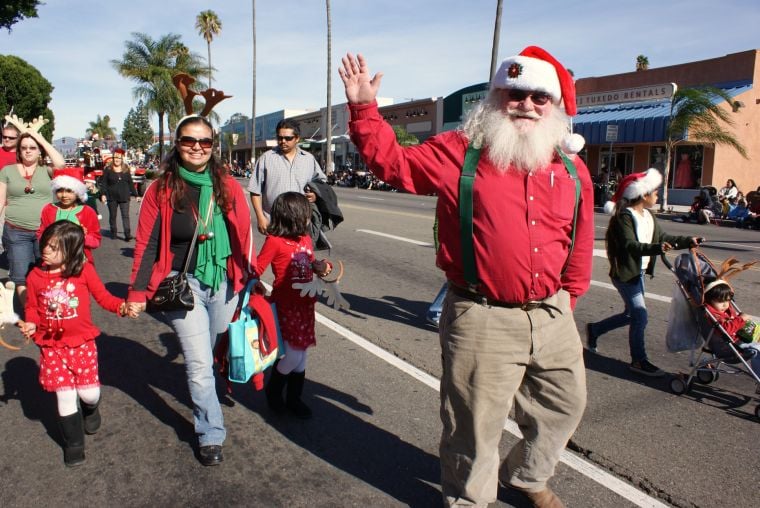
(490, 355)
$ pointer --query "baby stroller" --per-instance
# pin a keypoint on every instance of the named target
(691, 327)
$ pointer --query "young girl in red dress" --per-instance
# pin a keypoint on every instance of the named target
(58, 319)
(289, 250)
(70, 195)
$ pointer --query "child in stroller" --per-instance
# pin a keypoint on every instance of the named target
(719, 303)
(705, 320)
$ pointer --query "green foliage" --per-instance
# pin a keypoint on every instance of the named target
(102, 127)
(208, 25)
(23, 89)
(404, 138)
(642, 63)
(137, 132)
(152, 64)
(13, 11)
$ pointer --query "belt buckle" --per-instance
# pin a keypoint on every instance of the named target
(530, 305)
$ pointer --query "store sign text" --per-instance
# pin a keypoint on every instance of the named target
(642, 93)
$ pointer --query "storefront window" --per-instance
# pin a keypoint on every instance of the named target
(686, 168)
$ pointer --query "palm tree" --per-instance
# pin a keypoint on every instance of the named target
(208, 25)
(642, 63)
(495, 45)
(696, 115)
(253, 92)
(102, 127)
(152, 64)
(328, 134)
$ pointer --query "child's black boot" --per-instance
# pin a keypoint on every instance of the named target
(72, 429)
(91, 416)
(274, 389)
(295, 389)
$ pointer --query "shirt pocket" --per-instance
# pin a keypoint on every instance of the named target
(563, 197)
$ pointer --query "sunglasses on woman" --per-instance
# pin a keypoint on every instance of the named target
(189, 142)
(538, 98)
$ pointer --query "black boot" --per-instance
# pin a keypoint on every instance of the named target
(274, 389)
(91, 417)
(295, 389)
(72, 429)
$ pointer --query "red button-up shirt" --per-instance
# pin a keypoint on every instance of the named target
(521, 222)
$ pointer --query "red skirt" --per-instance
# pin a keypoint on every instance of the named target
(297, 323)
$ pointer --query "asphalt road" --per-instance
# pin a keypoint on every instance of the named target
(371, 382)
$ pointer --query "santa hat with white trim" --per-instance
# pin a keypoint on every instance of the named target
(634, 186)
(70, 178)
(534, 69)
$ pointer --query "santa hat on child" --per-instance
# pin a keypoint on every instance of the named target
(70, 178)
(634, 186)
(534, 69)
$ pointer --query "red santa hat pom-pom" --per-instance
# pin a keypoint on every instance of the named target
(573, 143)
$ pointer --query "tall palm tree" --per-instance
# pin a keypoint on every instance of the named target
(152, 64)
(495, 45)
(102, 127)
(328, 135)
(208, 25)
(253, 92)
(696, 115)
(642, 63)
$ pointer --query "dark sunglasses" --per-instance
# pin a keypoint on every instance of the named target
(285, 138)
(10, 137)
(539, 98)
(189, 142)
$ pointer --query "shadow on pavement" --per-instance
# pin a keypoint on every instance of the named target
(20, 382)
(348, 442)
(391, 308)
(144, 375)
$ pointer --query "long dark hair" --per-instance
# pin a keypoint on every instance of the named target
(70, 238)
(171, 180)
(291, 213)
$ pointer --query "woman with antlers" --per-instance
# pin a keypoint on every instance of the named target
(24, 191)
(634, 240)
(195, 196)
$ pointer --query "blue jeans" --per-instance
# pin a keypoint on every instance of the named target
(635, 315)
(198, 331)
(23, 251)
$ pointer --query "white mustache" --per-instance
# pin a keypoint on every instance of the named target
(523, 114)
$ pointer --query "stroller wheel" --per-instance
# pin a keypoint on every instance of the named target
(678, 385)
(707, 376)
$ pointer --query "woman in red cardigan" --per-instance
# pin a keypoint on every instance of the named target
(194, 189)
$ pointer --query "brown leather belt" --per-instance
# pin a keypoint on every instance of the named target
(484, 300)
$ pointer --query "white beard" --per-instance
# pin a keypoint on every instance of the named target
(512, 141)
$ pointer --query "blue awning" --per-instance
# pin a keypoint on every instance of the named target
(638, 122)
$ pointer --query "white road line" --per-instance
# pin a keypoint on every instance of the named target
(573, 461)
(369, 198)
(388, 212)
(394, 237)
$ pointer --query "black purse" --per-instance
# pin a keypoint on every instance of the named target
(174, 292)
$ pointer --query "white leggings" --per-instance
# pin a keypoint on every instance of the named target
(293, 361)
(67, 399)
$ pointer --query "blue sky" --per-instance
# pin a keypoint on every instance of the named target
(424, 47)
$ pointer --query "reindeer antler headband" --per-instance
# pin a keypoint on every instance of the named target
(727, 271)
(213, 96)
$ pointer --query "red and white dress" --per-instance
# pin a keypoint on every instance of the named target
(60, 308)
(291, 261)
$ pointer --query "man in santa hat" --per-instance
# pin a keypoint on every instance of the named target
(515, 266)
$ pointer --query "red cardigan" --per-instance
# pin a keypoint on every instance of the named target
(87, 218)
(240, 265)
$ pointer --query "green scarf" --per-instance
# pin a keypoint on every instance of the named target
(211, 263)
(69, 215)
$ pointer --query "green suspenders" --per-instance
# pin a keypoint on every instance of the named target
(466, 182)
